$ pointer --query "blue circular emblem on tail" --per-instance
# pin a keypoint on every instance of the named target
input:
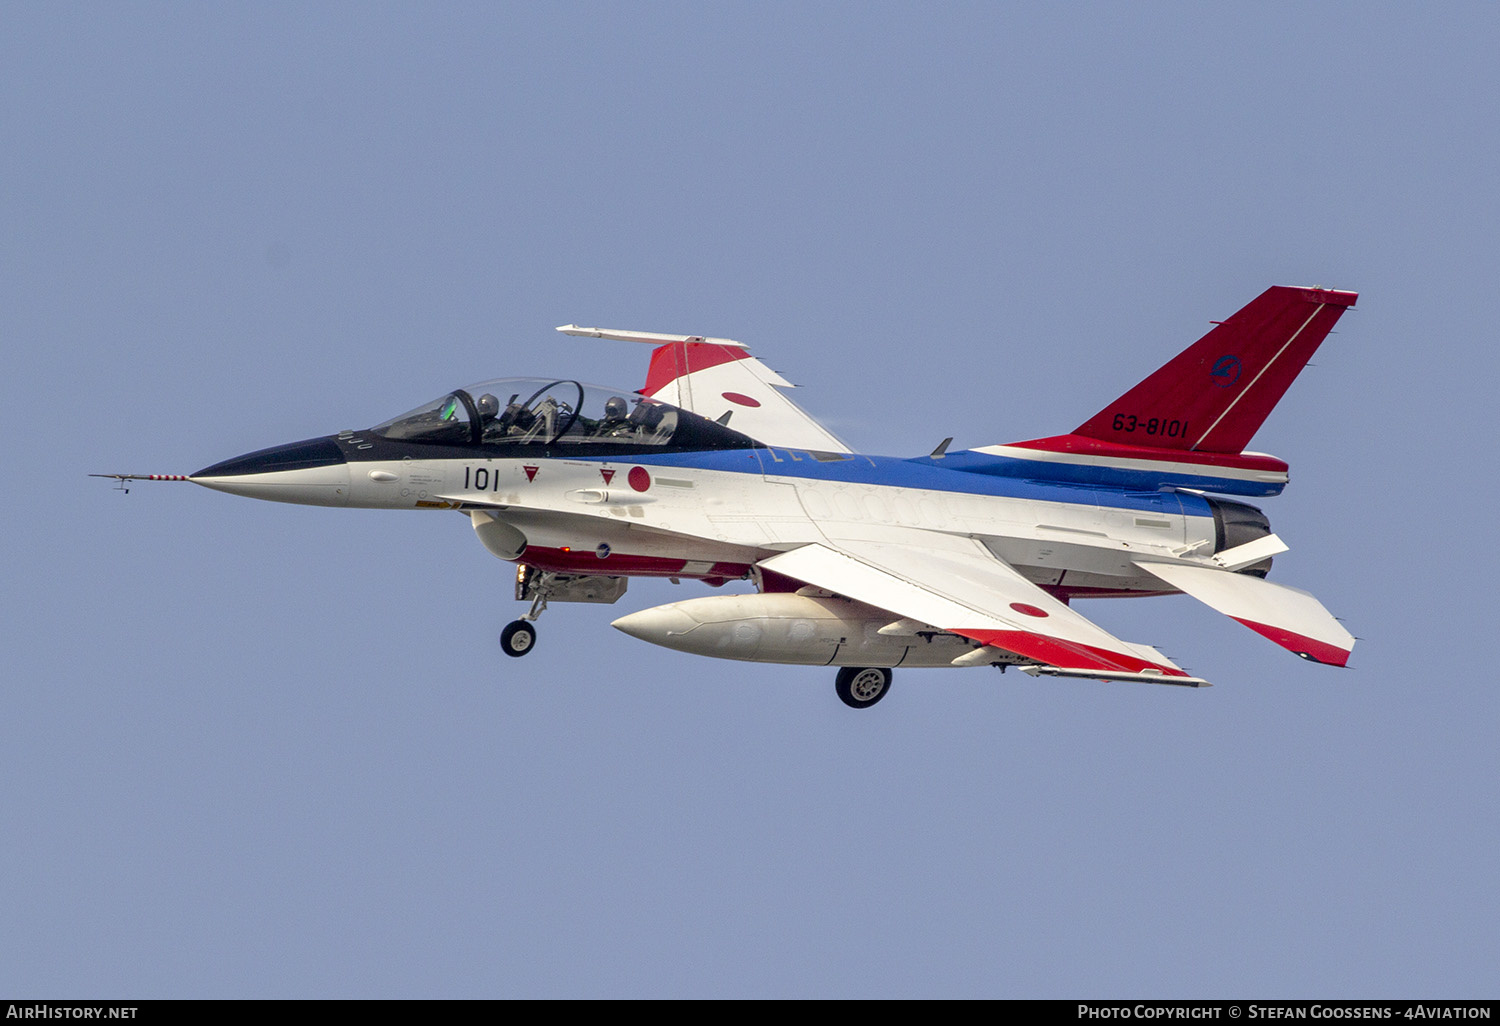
(1226, 371)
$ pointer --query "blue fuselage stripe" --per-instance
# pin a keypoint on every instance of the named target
(931, 475)
(1109, 477)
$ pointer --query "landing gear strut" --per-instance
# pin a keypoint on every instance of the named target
(861, 687)
(540, 585)
(519, 636)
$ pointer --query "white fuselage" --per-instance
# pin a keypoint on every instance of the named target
(712, 516)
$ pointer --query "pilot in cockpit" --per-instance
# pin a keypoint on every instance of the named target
(488, 407)
(514, 419)
(616, 418)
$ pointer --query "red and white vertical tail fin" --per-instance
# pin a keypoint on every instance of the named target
(1186, 426)
(1214, 395)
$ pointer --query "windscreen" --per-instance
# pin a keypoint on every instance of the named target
(536, 411)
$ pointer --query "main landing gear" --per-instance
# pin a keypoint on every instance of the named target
(861, 687)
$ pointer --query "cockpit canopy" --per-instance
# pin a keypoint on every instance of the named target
(536, 411)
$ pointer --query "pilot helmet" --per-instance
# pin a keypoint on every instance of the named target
(614, 408)
(488, 406)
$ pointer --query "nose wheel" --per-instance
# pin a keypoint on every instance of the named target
(860, 687)
(518, 638)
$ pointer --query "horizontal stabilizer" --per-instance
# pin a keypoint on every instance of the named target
(1250, 553)
(1292, 618)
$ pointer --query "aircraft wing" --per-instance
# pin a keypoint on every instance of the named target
(957, 585)
(715, 377)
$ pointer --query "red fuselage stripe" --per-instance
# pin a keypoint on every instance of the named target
(620, 564)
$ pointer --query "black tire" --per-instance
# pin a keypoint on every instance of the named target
(860, 687)
(518, 638)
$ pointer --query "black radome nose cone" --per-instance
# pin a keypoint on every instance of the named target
(315, 452)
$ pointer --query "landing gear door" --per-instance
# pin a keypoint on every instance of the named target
(531, 583)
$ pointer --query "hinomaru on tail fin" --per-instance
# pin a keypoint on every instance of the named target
(1215, 394)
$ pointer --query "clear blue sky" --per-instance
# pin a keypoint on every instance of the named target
(265, 750)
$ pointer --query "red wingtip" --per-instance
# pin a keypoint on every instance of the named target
(678, 359)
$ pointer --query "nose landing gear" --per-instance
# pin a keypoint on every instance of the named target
(518, 638)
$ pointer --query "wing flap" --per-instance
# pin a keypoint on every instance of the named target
(958, 586)
(1290, 617)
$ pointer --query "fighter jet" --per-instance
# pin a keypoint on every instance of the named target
(710, 473)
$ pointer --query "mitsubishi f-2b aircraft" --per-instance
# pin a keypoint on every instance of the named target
(866, 563)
